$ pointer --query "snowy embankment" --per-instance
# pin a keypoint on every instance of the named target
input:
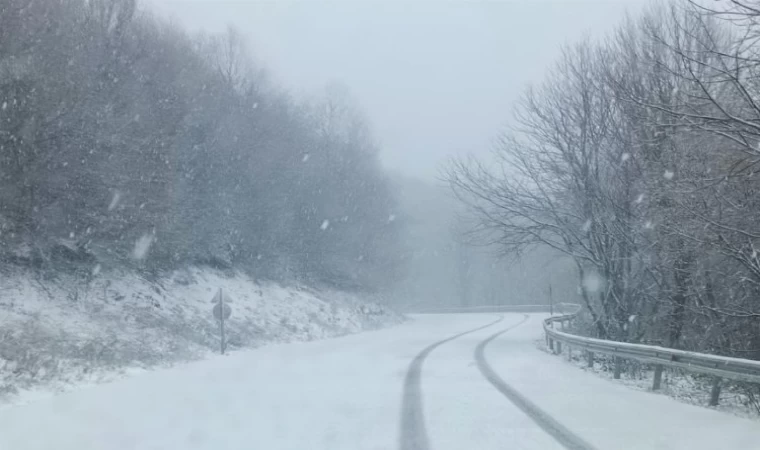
(740, 399)
(63, 330)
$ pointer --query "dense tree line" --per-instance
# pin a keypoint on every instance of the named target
(637, 158)
(124, 141)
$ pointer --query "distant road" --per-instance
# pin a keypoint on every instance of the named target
(437, 382)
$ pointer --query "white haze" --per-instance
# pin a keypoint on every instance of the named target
(435, 78)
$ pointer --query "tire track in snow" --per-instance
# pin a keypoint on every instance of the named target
(550, 425)
(413, 433)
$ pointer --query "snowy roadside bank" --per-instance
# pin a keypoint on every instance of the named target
(739, 399)
(66, 330)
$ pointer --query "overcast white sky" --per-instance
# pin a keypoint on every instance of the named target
(436, 78)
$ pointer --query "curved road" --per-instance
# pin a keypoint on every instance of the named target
(413, 432)
(438, 382)
(559, 432)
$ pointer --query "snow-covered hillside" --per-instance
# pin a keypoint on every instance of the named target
(55, 331)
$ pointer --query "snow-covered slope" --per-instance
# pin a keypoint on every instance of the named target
(57, 331)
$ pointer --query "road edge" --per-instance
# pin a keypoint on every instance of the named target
(551, 426)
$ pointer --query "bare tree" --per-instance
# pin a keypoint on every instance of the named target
(559, 184)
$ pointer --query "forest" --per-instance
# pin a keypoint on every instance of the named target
(127, 142)
(637, 158)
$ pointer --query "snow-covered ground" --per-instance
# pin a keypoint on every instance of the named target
(609, 415)
(346, 393)
(68, 330)
(683, 386)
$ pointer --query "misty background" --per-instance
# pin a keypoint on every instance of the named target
(436, 81)
(434, 78)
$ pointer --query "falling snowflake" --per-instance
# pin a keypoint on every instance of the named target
(592, 282)
(255, 105)
(587, 226)
(668, 175)
(142, 246)
(625, 157)
(648, 225)
(71, 235)
(5, 106)
(640, 198)
(96, 269)
(391, 218)
(305, 157)
(325, 224)
(114, 200)
(631, 318)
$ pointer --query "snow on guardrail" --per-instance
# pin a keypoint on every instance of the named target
(717, 366)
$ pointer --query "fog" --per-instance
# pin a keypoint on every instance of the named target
(435, 78)
(485, 185)
(436, 81)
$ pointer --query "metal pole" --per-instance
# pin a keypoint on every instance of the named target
(551, 301)
(715, 392)
(657, 377)
(221, 321)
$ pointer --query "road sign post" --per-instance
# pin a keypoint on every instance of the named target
(551, 302)
(222, 312)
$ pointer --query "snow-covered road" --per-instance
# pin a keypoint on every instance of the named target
(387, 389)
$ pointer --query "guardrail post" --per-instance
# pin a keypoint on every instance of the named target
(551, 345)
(657, 377)
(590, 356)
(569, 353)
(559, 348)
(562, 325)
(618, 367)
(715, 393)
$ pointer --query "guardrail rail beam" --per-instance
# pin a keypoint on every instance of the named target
(720, 367)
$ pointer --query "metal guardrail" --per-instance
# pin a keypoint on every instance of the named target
(718, 366)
